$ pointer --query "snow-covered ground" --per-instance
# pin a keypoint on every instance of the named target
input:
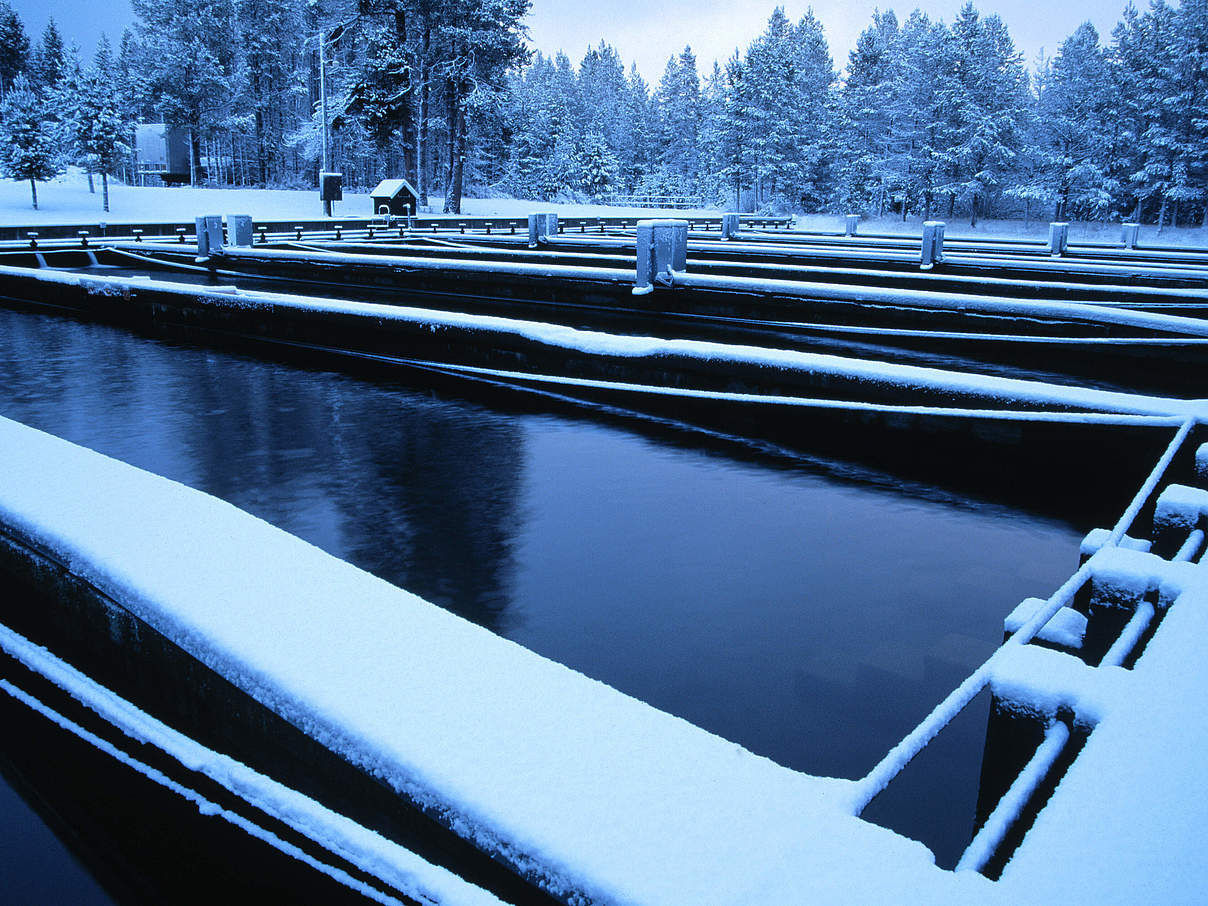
(66, 199)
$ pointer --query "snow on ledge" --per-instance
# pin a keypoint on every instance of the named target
(603, 794)
(989, 388)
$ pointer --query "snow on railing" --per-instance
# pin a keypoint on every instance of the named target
(873, 783)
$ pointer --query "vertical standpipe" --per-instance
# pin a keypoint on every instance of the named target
(209, 236)
(239, 230)
(1059, 239)
(662, 248)
(1129, 233)
(730, 225)
(933, 244)
(850, 223)
(541, 227)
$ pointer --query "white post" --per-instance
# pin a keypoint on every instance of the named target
(730, 225)
(662, 247)
(239, 230)
(541, 226)
(1129, 233)
(933, 244)
(1059, 239)
(209, 237)
(850, 222)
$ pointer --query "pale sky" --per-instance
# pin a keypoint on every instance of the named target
(649, 32)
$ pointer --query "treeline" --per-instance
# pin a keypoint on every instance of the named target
(927, 119)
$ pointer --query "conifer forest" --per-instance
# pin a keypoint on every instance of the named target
(925, 118)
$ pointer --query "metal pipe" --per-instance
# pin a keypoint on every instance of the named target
(983, 846)
(1129, 636)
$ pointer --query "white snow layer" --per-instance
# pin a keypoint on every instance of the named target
(1128, 820)
(976, 386)
(603, 794)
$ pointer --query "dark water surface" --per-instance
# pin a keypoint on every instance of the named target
(813, 618)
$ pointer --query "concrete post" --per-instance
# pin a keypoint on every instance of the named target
(239, 230)
(209, 236)
(730, 225)
(1129, 233)
(541, 226)
(933, 244)
(662, 248)
(1059, 239)
(850, 223)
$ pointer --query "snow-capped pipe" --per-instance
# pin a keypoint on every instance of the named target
(875, 781)
(1130, 636)
(912, 298)
(983, 846)
(898, 298)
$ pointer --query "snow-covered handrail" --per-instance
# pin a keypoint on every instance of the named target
(873, 783)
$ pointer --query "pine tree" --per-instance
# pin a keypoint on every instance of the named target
(14, 47)
(1071, 128)
(382, 96)
(789, 75)
(189, 65)
(677, 112)
(100, 129)
(597, 164)
(28, 150)
(986, 102)
(48, 66)
(637, 163)
(270, 48)
(479, 41)
(865, 177)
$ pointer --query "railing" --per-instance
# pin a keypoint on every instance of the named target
(655, 201)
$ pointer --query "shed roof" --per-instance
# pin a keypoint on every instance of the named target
(390, 188)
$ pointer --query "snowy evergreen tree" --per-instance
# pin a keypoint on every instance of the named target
(28, 149)
(789, 76)
(864, 174)
(99, 127)
(271, 51)
(14, 47)
(189, 64)
(677, 117)
(597, 165)
(382, 95)
(1071, 129)
(986, 101)
(480, 41)
(637, 164)
(48, 65)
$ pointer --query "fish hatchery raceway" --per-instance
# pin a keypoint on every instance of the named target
(603, 560)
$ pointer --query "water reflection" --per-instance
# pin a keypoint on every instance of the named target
(811, 619)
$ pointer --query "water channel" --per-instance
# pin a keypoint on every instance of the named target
(807, 609)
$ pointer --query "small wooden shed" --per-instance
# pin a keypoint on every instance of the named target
(393, 196)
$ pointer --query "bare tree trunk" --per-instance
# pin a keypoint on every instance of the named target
(973, 213)
(458, 128)
(451, 123)
(105, 191)
(1162, 214)
(91, 187)
(33, 187)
